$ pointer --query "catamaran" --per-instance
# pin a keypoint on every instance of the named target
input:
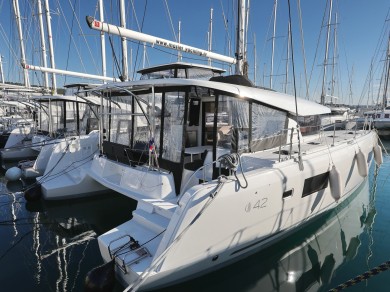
(219, 168)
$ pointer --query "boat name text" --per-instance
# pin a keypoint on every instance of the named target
(259, 204)
(179, 47)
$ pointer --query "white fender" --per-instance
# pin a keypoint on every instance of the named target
(362, 163)
(13, 174)
(336, 183)
(378, 154)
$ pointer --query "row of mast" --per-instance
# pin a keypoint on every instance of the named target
(124, 34)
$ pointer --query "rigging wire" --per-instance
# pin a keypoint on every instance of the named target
(383, 35)
(295, 89)
(116, 62)
(69, 43)
(82, 33)
(170, 20)
(140, 29)
(316, 51)
(303, 47)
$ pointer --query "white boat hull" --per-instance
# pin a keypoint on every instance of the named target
(209, 229)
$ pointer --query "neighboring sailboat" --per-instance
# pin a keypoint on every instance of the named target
(382, 118)
(339, 113)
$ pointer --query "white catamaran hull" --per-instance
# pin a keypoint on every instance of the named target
(65, 170)
(220, 222)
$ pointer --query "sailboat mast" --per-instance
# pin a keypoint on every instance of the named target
(102, 41)
(1, 70)
(255, 60)
(240, 38)
(387, 75)
(287, 58)
(125, 73)
(43, 44)
(334, 57)
(22, 51)
(323, 93)
(179, 57)
(273, 45)
(51, 47)
(210, 34)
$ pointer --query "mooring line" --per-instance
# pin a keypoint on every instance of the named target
(375, 271)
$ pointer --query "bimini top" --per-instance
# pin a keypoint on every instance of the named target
(71, 98)
(180, 70)
(273, 99)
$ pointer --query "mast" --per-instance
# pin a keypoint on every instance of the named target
(240, 38)
(254, 59)
(387, 75)
(22, 52)
(334, 57)
(287, 58)
(273, 45)
(179, 39)
(125, 70)
(43, 44)
(102, 41)
(326, 54)
(1, 70)
(51, 48)
(210, 34)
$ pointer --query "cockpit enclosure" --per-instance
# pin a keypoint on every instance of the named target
(157, 125)
(57, 116)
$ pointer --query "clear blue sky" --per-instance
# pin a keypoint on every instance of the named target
(359, 28)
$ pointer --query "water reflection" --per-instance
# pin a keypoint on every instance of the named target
(53, 244)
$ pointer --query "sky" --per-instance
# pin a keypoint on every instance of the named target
(361, 38)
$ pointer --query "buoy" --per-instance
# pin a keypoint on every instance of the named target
(336, 184)
(33, 193)
(378, 154)
(362, 163)
(13, 174)
(101, 278)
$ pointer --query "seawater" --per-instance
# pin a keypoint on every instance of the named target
(51, 246)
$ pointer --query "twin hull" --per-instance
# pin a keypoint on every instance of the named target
(213, 224)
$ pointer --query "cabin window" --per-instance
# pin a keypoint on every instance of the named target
(232, 123)
(57, 115)
(142, 129)
(174, 109)
(43, 118)
(88, 119)
(267, 127)
(118, 120)
(309, 124)
(315, 184)
(387, 116)
(71, 115)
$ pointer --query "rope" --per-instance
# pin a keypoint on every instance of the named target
(375, 271)
(232, 161)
